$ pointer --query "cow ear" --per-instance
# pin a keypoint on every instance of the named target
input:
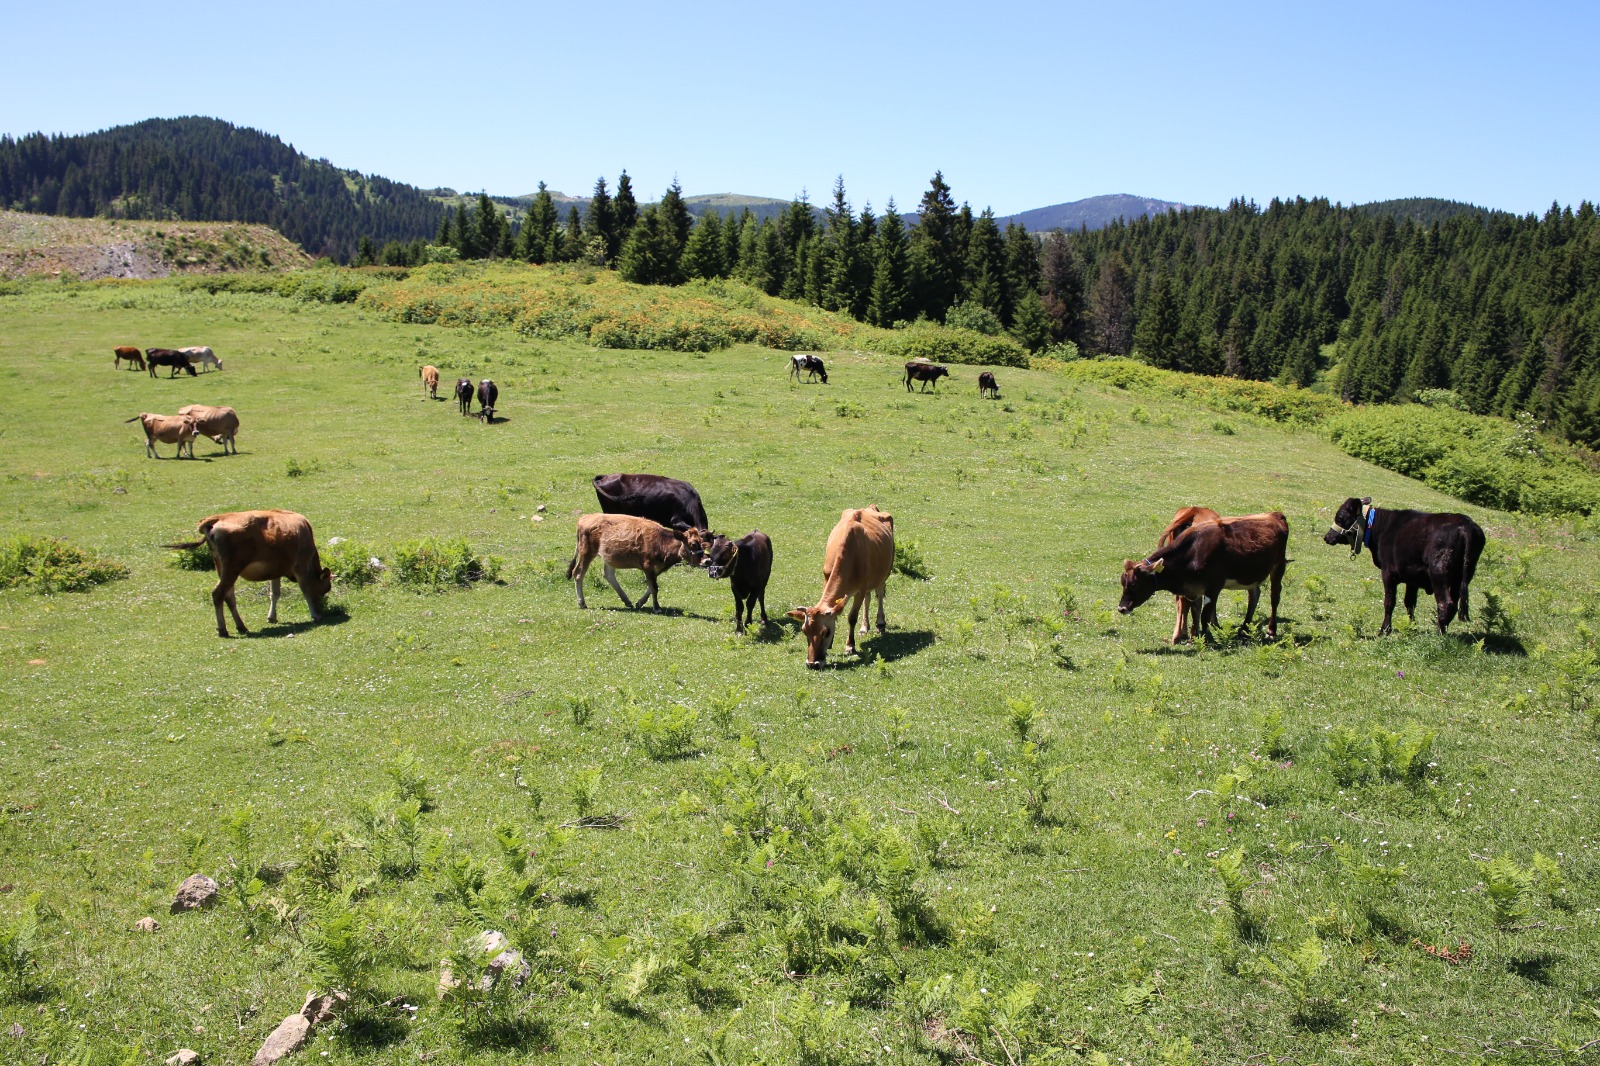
(837, 605)
(798, 614)
(1161, 564)
(1128, 564)
(327, 575)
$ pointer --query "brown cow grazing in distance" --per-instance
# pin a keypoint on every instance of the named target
(623, 542)
(133, 355)
(1235, 553)
(1435, 553)
(262, 546)
(430, 381)
(917, 370)
(464, 395)
(987, 386)
(168, 429)
(221, 424)
(857, 562)
(747, 563)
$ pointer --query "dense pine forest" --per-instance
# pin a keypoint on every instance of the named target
(202, 169)
(1410, 299)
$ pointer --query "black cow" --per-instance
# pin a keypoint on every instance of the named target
(1435, 553)
(154, 357)
(925, 372)
(807, 364)
(987, 386)
(488, 393)
(747, 563)
(464, 395)
(675, 504)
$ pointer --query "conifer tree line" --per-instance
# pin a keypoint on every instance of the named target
(202, 169)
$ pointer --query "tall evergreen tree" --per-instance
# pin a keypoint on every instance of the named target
(1062, 282)
(600, 227)
(1157, 334)
(626, 207)
(934, 251)
(1111, 301)
(838, 254)
(539, 229)
(702, 256)
(888, 302)
(984, 276)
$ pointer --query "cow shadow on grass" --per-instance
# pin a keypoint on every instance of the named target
(332, 615)
(661, 612)
(897, 644)
(494, 421)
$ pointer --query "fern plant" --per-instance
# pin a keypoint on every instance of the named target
(19, 939)
(1301, 973)
(1510, 890)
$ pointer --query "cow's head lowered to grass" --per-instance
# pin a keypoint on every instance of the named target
(1140, 581)
(817, 624)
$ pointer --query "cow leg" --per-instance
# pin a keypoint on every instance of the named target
(580, 568)
(1250, 608)
(883, 623)
(1277, 589)
(850, 628)
(1389, 588)
(1411, 602)
(311, 604)
(738, 614)
(1180, 632)
(764, 621)
(611, 579)
(224, 593)
(272, 602)
(650, 592)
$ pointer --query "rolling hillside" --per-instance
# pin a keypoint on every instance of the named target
(94, 248)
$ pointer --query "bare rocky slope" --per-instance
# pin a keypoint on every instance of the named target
(92, 248)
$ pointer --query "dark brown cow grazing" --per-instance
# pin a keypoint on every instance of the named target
(176, 429)
(154, 357)
(134, 357)
(488, 396)
(430, 381)
(623, 542)
(987, 386)
(1435, 553)
(925, 372)
(464, 395)
(857, 562)
(262, 546)
(1238, 553)
(747, 563)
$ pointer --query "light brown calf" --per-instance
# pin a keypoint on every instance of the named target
(168, 429)
(430, 381)
(857, 562)
(624, 542)
(221, 424)
(262, 546)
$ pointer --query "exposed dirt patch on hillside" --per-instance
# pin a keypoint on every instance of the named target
(113, 248)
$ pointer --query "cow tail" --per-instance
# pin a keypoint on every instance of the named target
(572, 567)
(185, 545)
(135, 418)
(1471, 540)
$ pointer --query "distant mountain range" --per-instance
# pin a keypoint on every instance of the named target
(204, 169)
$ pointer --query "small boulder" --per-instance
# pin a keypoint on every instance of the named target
(147, 925)
(319, 1010)
(198, 892)
(506, 960)
(184, 1057)
(290, 1036)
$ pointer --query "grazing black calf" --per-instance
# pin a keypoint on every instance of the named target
(925, 372)
(154, 357)
(747, 563)
(464, 395)
(488, 393)
(1435, 553)
(987, 386)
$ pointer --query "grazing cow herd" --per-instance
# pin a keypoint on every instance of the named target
(651, 523)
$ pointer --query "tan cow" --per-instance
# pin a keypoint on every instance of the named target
(168, 429)
(262, 546)
(221, 424)
(430, 381)
(133, 356)
(858, 561)
(624, 542)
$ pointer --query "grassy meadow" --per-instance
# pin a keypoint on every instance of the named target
(1018, 828)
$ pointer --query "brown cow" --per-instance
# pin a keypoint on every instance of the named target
(262, 546)
(1234, 553)
(1181, 522)
(430, 381)
(624, 542)
(857, 562)
(168, 429)
(134, 357)
(221, 424)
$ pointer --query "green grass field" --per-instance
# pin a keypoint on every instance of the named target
(1019, 828)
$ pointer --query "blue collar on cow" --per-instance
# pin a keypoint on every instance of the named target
(1370, 517)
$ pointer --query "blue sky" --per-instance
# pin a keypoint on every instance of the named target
(1020, 104)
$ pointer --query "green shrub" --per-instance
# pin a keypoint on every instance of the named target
(434, 564)
(947, 345)
(352, 565)
(1294, 406)
(908, 560)
(47, 565)
(197, 557)
(974, 317)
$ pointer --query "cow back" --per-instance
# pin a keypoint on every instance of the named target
(263, 544)
(668, 501)
(860, 553)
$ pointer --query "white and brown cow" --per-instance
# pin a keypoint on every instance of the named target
(201, 356)
(176, 429)
(624, 542)
(221, 424)
(857, 562)
(262, 546)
